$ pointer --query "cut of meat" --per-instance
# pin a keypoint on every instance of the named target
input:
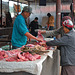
(22, 47)
(40, 35)
(19, 60)
(1, 57)
(22, 57)
(30, 56)
(10, 59)
(37, 56)
(5, 56)
(2, 53)
(13, 52)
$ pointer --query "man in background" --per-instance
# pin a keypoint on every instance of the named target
(33, 25)
(8, 20)
(0, 21)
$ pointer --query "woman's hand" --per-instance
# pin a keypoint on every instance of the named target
(40, 40)
(43, 43)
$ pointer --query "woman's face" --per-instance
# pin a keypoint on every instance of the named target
(65, 29)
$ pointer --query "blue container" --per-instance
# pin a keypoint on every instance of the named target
(54, 38)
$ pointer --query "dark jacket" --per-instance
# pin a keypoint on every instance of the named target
(33, 25)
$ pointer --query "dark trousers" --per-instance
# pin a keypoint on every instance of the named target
(68, 70)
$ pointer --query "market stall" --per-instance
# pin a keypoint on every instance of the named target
(48, 64)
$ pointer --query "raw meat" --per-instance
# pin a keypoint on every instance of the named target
(30, 56)
(37, 56)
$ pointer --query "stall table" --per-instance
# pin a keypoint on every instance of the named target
(47, 65)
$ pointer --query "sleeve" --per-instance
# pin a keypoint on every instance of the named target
(31, 24)
(22, 28)
(54, 32)
(59, 42)
(37, 25)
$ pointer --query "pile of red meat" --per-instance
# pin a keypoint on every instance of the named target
(17, 55)
(40, 35)
(42, 38)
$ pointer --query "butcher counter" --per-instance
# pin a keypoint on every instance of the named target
(47, 65)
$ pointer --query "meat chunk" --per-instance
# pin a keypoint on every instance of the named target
(30, 56)
(37, 56)
(22, 57)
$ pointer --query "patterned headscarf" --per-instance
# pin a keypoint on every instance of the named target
(65, 18)
(68, 23)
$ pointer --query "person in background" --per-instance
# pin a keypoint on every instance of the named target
(20, 32)
(67, 52)
(8, 19)
(4, 25)
(50, 23)
(33, 25)
(56, 31)
(0, 21)
(72, 13)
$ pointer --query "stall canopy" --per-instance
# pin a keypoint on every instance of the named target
(41, 0)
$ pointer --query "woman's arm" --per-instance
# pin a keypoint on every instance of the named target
(53, 32)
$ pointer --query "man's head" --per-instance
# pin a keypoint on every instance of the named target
(48, 14)
(36, 19)
(67, 25)
(27, 10)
